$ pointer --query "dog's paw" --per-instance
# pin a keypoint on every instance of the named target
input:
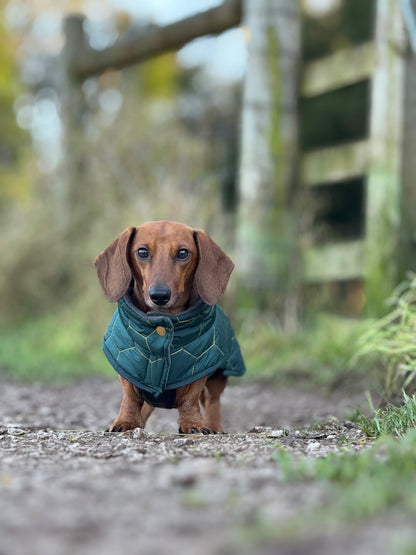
(193, 430)
(115, 429)
(118, 427)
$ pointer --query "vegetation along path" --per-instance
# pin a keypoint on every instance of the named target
(269, 486)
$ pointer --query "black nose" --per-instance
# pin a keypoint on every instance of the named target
(159, 295)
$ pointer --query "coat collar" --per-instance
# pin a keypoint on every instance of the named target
(197, 319)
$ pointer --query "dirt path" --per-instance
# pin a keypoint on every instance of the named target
(67, 487)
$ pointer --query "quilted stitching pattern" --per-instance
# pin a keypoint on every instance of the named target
(196, 343)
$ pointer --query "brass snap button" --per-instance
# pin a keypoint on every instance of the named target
(160, 330)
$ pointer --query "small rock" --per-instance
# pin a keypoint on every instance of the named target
(313, 446)
(138, 433)
(277, 433)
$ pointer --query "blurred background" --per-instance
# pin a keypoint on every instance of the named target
(278, 127)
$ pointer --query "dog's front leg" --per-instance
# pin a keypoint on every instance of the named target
(210, 399)
(129, 416)
(187, 401)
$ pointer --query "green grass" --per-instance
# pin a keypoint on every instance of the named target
(317, 354)
(55, 348)
(392, 420)
(389, 344)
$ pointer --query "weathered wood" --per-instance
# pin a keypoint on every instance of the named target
(376, 257)
(269, 139)
(339, 70)
(156, 41)
(384, 172)
(408, 201)
(75, 42)
(266, 229)
(73, 109)
(335, 261)
(334, 164)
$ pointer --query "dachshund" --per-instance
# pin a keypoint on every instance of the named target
(169, 340)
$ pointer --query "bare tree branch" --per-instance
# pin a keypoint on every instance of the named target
(86, 61)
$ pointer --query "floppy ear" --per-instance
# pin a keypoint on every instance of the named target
(113, 268)
(213, 270)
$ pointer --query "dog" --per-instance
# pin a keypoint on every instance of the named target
(169, 340)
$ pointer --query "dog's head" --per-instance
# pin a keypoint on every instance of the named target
(172, 266)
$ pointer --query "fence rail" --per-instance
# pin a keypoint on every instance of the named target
(339, 70)
(334, 164)
(377, 159)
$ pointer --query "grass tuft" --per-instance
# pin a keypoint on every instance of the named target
(389, 343)
(392, 420)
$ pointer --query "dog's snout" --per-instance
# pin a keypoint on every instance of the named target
(159, 295)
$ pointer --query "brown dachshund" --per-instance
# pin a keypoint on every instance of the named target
(168, 339)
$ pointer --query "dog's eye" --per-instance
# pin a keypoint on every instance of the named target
(143, 253)
(183, 254)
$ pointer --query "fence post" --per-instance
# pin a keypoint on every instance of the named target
(384, 172)
(408, 204)
(73, 111)
(269, 142)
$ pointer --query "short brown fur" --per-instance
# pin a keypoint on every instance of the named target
(203, 275)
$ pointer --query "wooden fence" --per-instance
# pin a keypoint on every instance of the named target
(383, 159)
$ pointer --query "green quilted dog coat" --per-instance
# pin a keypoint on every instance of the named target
(160, 352)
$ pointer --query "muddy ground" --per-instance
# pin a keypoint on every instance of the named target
(68, 487)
